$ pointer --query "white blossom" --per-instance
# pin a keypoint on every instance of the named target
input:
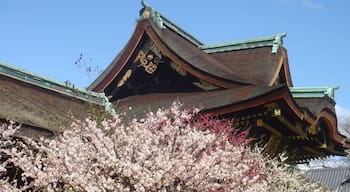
(166, 151)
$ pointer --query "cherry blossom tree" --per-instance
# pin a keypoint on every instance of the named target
(168, 150)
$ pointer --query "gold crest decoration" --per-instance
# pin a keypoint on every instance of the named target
(148, 57)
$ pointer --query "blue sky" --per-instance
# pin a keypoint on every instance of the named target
(47, 37)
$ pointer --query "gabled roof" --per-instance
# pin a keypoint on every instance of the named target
(178, 49)
(225, 65)
(241, 55)
(245, 74)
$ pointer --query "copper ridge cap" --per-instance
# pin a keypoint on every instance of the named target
(275, 41)
(315, 92)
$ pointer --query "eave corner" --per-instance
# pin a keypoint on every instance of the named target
(278, 42)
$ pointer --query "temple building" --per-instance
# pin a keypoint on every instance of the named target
(248, 81)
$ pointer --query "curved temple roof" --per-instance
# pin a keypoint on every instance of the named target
(234, 67)
(234, 63)
(161, 62)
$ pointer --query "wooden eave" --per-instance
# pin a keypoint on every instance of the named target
(108, 75)
(233, 101)
(319, 101)
(330, 119)
(184, 54)
(282, 93)
(282, 69)
(207, 101)
(285, 63)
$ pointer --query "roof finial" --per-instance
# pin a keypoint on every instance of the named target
(148, 12)
(144, 4)
(145, 12)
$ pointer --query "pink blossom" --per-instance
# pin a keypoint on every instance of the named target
(169, 150)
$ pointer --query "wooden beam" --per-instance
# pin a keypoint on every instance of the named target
(261, 123)
(314, 151)
(277, 114)
(272, 145)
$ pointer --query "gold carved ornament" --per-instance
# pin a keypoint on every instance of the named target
(148, 57)
(124, 78)
(312, 130)
(205, 85)
(178, 69)
(200, 83)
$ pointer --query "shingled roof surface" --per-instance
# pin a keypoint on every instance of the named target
(29, 105)
(206, 101)
(316, 105)
(195, 56)
(38, 102)
(335, 178)
(246, 62)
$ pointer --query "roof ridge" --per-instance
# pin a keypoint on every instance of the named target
(319, 92)
(345, 168)
(163, 22)
(275, 41)
(63, 88)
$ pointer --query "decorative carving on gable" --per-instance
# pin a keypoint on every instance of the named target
(312, 130)
(148, 57)
(178, 69)
(124, 78)
(205, 85)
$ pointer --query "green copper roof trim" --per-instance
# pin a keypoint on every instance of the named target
(313, 92)
(274, 41)
(163, 23)
(155, 16)
(180, 31)
(62, 88)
